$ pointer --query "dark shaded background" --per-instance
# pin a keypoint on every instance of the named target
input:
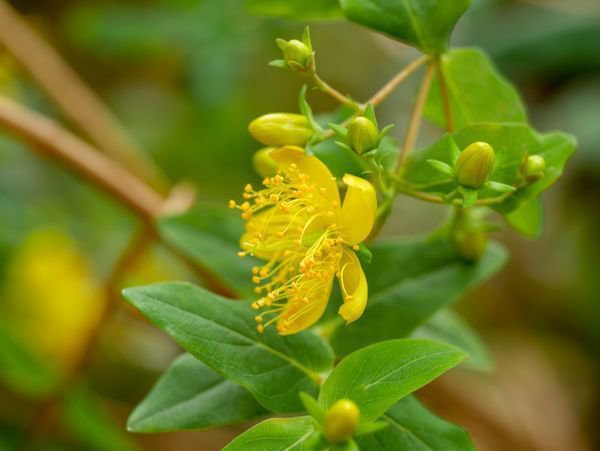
(186, 77)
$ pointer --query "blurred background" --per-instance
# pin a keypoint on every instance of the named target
(185, 77)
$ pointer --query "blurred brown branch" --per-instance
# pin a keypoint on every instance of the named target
(79, 103)
(51, 140)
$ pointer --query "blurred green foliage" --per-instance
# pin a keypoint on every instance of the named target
(186, 77)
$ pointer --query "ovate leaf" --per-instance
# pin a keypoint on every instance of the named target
(189, 395)
(448, 327)
(476, 90)
(528, 219)
(210, 236)
(222, 334)
(424, 24)
(414, 428)
(290, 434)
(409, 280)
(377, 376)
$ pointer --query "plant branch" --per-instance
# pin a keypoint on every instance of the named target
(415, 118)
(66, 89)
(51, 140)
(445, 97)
(328, 89)
(389, 87)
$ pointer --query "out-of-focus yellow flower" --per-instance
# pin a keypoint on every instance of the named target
(298, 225)
(53, 297)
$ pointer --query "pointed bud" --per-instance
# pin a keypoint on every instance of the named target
(281, 129)
(363, 135)
(295, 51)
(263, 163)
(475, 164)
(535, 167)
(341, 421)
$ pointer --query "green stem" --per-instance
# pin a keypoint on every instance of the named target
(328, 89)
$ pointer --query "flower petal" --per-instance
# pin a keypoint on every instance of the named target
(311, 166)
(292, 322)
(359, 209)
(353, 284)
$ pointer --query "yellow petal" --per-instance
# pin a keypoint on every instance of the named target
(359, 209)
(353, 284)
(311, 166)
(292, 322)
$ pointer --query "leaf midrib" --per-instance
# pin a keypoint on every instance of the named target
(249, 340)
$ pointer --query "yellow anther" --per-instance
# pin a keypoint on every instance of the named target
(231, 204)
(260, 328)
(255, 279)
(241, 254)
(248, 188)
(356, 247)
(258, 319)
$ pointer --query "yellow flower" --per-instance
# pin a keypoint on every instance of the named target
(307, 237)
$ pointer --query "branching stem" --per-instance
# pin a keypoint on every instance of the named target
(415, 118)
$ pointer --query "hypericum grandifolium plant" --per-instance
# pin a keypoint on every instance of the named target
(338, 328)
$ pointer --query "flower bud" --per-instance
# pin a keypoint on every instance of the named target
(295, 51)
(475, 164)
(535, 167)
(281, 129)
(471, 245)
(362, 135)
(341, 421)
(263, 163)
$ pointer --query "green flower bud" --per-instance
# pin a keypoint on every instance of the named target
(341, 421)
(281, 129)
(475, 164)
(362, 135)
(263, 163)
(295, 51)
(471, 244)
(535, 167)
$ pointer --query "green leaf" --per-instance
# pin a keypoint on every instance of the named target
(377, 376)
(189, 395)
(209, 235)
(289, 434)
(92, 424)
(222, 334)
(424, 24)
(296, 9)
(477, 92)
(414, 428)
(528, 219)
(409, 280)
(511, 142)
(23, 371)
(447, 326)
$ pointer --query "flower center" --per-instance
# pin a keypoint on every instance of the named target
(291, 224)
